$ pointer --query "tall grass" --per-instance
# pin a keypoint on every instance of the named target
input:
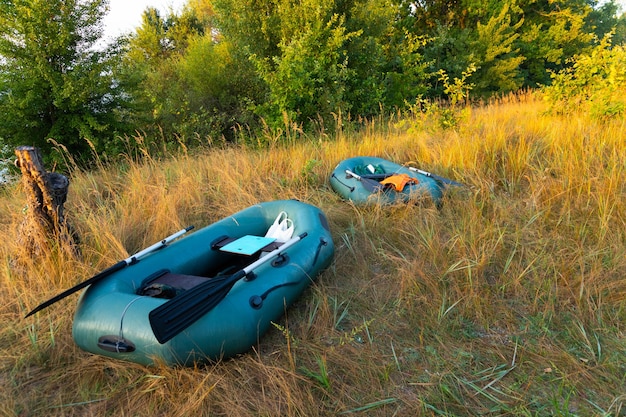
(508, 300)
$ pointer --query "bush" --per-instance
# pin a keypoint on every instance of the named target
(595, 83)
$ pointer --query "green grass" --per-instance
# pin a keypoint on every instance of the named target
(508, 300)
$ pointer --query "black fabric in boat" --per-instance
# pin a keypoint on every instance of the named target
(164, 284)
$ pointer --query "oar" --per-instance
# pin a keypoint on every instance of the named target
(118, 266)
(369, 184)
(175, 315)
(437, 177)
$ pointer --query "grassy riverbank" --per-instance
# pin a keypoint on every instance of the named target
(509, 300)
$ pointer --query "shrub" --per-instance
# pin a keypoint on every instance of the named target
(595, 83)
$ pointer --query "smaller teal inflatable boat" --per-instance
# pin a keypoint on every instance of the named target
(375, 180)
(209, 295)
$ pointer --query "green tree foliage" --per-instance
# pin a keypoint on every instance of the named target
(604, 19)
(317, 58)
(491, 47)
(495, 50)
(595, 83)
(189, 81)
(407, 75)
(54, 82)
(553, 32)
(620, 31)
(221, 63)
(299, 50)
(513, 43)
(151, 66)
(386, 60)
(308, 78)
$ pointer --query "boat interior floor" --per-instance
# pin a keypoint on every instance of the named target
(166, 284)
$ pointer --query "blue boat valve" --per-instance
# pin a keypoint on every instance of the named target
(256, 302)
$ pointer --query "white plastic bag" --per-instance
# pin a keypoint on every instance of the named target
(281, 229)
(275, 226)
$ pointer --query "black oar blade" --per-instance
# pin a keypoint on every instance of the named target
(77, 287)
(436, 177)
(370, 185)
(174, 316)
(446, 181)
(110, 270)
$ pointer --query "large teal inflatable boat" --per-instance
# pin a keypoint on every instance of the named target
(210, 294)
(367, 179)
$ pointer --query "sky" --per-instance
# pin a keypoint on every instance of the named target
(125, 15)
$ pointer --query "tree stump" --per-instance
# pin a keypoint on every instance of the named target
(46, 194)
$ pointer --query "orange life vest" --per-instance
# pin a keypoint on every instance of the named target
(399, 181)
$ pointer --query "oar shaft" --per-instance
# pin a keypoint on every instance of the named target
(158, 245)
(110, 270)
(80, 286)
(273, 253)
(436, 177)
(371, 185)
(352, 174)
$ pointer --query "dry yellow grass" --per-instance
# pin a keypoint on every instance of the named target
(509, 300)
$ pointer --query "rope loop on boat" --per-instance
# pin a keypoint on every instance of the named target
(117, 343)
(351, 188)
(256, 301)
(121, 332)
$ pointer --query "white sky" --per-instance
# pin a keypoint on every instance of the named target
(125, 15)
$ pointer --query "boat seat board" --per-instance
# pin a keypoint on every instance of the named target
(247, 245)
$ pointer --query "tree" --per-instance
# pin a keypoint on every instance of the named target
(299, 50)
(552, 33)
(512, 43)
(54, 82)
(321, 57)
(594, 84)
(603, 19)
(499, 59)
(308, 79)
(189, 84)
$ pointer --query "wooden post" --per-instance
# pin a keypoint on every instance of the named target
(46, 193)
